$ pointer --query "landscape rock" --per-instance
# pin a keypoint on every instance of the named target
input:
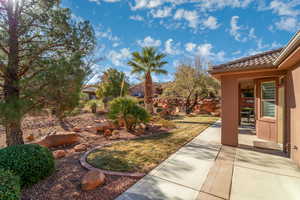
(80, 147)
(76, 129)
(104, 126)
(92, 179)
(59, 140)
(30, 137)
(115, 134)
(91, 129)
(107, 133)
(59, 154)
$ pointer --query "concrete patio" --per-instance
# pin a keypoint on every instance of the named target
(205, 170)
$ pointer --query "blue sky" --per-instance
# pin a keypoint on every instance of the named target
(215, 30)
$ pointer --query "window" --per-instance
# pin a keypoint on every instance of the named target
(268, 99)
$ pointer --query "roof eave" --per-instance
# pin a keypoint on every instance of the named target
(292, 45)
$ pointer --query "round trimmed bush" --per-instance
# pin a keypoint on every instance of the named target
(31, 162)
(10, 188)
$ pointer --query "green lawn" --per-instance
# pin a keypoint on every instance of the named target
(141, 155)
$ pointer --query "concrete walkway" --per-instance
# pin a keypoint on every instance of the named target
(205, 170)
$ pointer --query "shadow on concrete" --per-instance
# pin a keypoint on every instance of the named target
(261, 150)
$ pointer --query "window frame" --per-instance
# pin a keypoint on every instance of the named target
(275, 81)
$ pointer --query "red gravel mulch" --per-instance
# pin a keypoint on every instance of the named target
(64, 184)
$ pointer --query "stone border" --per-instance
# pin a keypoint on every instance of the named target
(86, 165)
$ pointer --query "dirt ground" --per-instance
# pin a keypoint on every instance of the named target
(40, 126)
(64, 184)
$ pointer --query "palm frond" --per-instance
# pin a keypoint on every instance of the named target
(160, 71)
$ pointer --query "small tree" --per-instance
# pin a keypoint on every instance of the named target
(113, 84)
(147, 62)
(127, 110)
(191, 84)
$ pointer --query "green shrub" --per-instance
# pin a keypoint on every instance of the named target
(94, 108)
(30, 161)
(10, 188)
(128, 110)
(94, 104)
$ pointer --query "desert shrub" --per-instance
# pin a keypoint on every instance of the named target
(167, 123)
(94, 107)
(10, 188)
(94, 104)
(128, 110)
(30, 161)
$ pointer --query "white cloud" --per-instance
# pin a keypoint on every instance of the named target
(285, 8)
(106, 34)
(118, 58)
(140, 4)
(109, 1)
(235, 28)
(136, 18)
(190, 16)
(236, 52)
(190, 46)
(211, 22)
(239, 32)
(149, 42)
(170, 48)
(252, 33)
(76, 18)
(95, 1)
(289, 12)
(288, 24)
(210, 5)
(161, 13)
(205, 51)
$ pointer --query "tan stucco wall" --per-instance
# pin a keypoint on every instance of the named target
(293, 112)
(230, 110)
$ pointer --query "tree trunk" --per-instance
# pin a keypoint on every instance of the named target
(148, 93)
(187, 105)
(13, 119)
(195, 102)
(14, 134)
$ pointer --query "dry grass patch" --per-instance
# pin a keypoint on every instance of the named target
(142, 155)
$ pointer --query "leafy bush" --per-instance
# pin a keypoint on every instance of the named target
(94, 107)
(94, 104)
(9, 185)
(30, 161)
(128, 110)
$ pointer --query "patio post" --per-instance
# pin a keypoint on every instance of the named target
(230, 111)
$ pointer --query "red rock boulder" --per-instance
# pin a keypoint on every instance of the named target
(59, 154)
(92, 180)
(59, 140)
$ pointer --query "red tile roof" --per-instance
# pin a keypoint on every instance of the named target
(258, 61)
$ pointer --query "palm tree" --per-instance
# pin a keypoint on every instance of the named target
(144, 63)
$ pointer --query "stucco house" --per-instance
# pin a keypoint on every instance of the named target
(138, 89)
(90, 90)
(274, 77)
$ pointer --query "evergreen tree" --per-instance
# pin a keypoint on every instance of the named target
(38, 39)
